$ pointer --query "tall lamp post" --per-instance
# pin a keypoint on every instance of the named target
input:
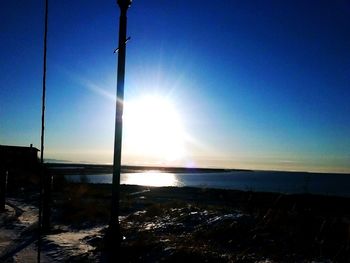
(114, 229)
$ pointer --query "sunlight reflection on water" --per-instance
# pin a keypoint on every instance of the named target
(147, 178)
(263, 181)
(150, 178)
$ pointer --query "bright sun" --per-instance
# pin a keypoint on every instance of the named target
(153, 128)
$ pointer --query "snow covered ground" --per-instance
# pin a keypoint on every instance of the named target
(18, 237)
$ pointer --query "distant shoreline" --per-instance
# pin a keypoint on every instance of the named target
(77, 168)
(67, 168)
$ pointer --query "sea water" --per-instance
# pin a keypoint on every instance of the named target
(265, 181)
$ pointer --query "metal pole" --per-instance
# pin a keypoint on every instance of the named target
(114, 220)
(42, 129)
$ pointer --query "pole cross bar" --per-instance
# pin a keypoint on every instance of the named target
(117, 49)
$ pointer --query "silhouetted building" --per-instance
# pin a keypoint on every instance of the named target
(19, 167)
(18, 156)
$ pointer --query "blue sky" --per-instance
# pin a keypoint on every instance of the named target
(258, 84)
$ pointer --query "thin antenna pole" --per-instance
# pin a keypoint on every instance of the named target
(42, 130)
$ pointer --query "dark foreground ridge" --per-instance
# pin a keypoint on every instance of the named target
(170, 224)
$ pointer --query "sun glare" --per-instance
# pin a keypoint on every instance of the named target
(150, 178)
(153, 128)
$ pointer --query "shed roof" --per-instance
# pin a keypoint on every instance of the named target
(18, 148)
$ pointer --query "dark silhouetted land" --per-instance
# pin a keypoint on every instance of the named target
(172, 224)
